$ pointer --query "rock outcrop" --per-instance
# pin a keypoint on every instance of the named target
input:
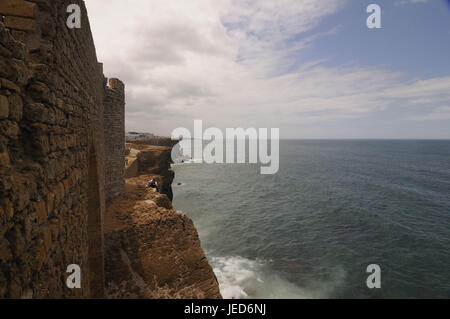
(152, 251)
(151, 160)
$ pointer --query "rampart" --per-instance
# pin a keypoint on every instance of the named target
(55, 111)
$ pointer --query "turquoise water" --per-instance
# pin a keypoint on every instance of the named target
(334, 207)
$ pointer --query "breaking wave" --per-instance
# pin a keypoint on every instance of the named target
(242, 278)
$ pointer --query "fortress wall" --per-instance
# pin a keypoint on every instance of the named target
(52, 151)
(114, 115)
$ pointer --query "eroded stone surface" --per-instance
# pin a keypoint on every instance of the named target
(52, 146)
(152, 251)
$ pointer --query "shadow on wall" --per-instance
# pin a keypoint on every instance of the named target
(95, 230)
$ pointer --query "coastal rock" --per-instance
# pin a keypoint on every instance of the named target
(152, 251)
(153, 160)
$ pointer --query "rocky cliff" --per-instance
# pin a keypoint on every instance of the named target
(151, 160)
(152, 251)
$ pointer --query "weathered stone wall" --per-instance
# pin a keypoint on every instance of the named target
(52, 152)
(115, 141)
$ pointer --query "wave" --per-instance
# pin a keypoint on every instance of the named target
(242, 278)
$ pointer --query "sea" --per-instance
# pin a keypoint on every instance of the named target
(334, 208)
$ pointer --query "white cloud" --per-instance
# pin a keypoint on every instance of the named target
(225, 62)
(422, 92)
(440, 113)
(402, 2)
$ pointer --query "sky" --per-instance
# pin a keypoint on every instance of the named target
(311, 68)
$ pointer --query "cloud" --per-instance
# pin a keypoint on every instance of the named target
(230, 63)
(403, 2)
(440, 113)
(421, 92)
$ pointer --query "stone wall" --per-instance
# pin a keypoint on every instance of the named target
(115, 141)
(52, 151)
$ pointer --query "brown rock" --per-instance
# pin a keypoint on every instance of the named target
(16, 240)
(18, 23)
(50, 201)
(6, 183)
(46, 237)
(145, 240)
(15, 288)
(7, 84)
(27, 294)
(40, 91)
(21, 71)
(21, 196)
(5, 68)
(41, 145)
(36, 112)
(5, 252)
(15, 107)
(5, 163)
(5, 52)
(9, 129)
(41, 211)
(44, 4)
(18, 8)
(4, 109)
(18, 35)
(7, 209)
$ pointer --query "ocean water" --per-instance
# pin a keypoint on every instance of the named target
(334, 207)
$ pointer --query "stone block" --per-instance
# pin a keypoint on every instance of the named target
(4, 109)
(7, 84)
(36, 112)
(41, 211)
(18, 35)
(7, 209)
(44, 4)
(9, 129)
(40, 91)
(15, 107)
(5, 252)
(16, 240)
(5, 163)
(22, 24)
(5, 52)
(18, 8)
(41, 145)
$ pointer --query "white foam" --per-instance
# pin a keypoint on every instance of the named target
(241, 278)
(234, 275)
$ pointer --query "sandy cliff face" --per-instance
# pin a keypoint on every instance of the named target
(152, 160)
(152, 251)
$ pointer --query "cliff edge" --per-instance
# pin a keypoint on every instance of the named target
(151, 250)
